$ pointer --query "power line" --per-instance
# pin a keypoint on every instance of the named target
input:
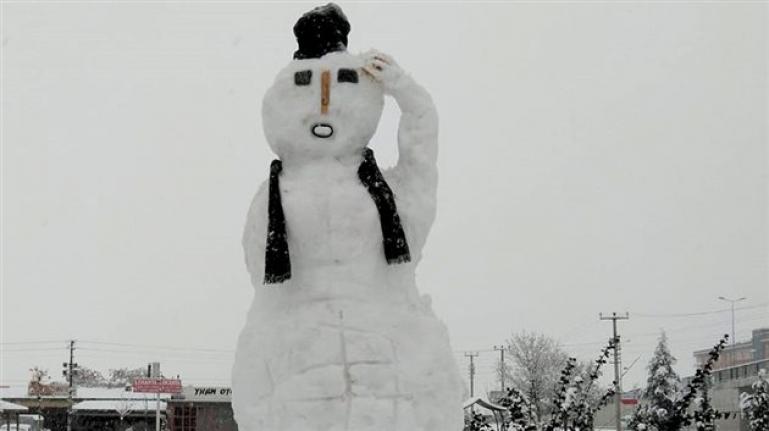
(145, 346)
(581, 330)
(96, 349)
(461, 352)
(18, 343)
(701, 313)
(33, 349)
(196, 349)
(700, 326)
(125, 354)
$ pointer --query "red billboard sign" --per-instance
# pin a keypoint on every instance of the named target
(168, 386)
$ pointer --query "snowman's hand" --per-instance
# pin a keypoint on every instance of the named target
(383, 69)
(411, 97)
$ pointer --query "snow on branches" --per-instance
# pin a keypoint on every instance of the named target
(575, 405)
(667, 404)
(755, 406)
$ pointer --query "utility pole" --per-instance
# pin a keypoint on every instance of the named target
(70, 369)
(501, 350)
(472, 356)
(617, 386)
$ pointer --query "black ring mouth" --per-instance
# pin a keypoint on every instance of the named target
(322, 130)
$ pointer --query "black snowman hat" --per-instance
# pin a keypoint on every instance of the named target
(320, 31)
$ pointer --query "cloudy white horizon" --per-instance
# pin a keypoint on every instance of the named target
(595, 157)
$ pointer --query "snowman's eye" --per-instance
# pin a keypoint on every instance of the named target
(303, 77)
(347, 75)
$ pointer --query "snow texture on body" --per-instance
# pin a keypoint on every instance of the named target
(346, 342)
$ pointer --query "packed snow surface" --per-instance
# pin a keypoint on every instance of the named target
(347, 342)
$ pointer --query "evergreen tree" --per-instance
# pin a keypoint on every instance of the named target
(663, 384)
(662, 391)
(667, 406)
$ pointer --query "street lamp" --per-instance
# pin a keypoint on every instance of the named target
(732, 301)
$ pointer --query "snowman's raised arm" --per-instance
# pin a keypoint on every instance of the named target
(418, 129)
(414, 179)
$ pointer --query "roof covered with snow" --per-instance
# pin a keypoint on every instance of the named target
(5, 406)
(119, 405)
(82, 393)
(483, 403)
(14, 392)
(113, 393)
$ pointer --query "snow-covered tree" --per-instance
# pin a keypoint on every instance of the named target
(705, 415)
(89, 378)
(520, 417)
(667, 405)
(477, 422)
(41, 383)
(755, 406)
(119, 377)
(125, 376)
(663, 388)
(575, 394)
(39, 374)
(639, 419)
(577, 397)
(565, 395)
(124, 406)
(663, 383)
(589, 396)
(536, 361)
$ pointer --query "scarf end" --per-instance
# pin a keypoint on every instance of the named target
(404, 258)
(276, 278)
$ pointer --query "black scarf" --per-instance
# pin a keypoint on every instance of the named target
(277, 262)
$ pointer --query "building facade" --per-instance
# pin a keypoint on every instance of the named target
(745, 352)
(733, 374)
(201, 408)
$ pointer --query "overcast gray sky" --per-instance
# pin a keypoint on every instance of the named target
(595, 157)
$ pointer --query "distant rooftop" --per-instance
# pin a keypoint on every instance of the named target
(82, 393)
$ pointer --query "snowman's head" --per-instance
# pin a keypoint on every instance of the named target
(322, 107)
(322, 104)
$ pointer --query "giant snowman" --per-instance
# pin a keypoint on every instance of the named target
(338, 337)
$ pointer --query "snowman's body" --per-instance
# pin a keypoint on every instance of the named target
(347, 342)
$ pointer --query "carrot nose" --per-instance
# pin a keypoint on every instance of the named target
(325, 91)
